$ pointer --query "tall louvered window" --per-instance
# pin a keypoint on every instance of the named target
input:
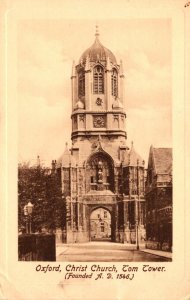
(81, 83)
(114, 83)
(98, 86)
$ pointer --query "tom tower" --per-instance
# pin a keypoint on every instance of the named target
(101, 178)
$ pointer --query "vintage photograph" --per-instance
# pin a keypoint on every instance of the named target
(95, 140)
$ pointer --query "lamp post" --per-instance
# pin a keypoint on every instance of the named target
(28, 208)
(137, 231)
(137, 207)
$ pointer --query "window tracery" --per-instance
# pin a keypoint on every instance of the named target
(81, 83)
(114, 83)
(98, 82)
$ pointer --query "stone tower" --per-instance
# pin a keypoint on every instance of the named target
(100, 172)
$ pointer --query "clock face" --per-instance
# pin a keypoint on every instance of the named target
(99, 121)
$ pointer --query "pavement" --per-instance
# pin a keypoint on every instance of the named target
(159, 253)
(108, 251)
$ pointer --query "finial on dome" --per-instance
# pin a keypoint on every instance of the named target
(97, 32)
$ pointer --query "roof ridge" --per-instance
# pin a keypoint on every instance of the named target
(163, 148)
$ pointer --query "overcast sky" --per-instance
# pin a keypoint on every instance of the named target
(46, 50)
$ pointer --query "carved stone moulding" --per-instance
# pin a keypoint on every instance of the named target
(82, 117)
(93, 199)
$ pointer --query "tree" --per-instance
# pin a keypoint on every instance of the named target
(58, 201)
(42, 188)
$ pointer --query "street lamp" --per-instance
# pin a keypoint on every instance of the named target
(28, 208)
(137, 207)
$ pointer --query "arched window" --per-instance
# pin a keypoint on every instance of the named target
(81, 83)
(98, 85)
(114, 83)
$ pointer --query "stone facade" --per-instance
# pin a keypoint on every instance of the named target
(100, 224)
(159, 199)
(100, 171)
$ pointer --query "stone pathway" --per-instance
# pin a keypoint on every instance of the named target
(107, 251)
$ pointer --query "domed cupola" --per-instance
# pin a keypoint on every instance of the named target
(97, 53)
(97, 94)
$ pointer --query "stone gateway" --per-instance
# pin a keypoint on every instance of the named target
(101, 178)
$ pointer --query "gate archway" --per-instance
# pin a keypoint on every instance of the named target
(100, 224)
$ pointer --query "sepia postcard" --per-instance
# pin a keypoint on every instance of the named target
(94, 150)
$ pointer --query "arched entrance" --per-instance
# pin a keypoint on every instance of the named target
(100, 225)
